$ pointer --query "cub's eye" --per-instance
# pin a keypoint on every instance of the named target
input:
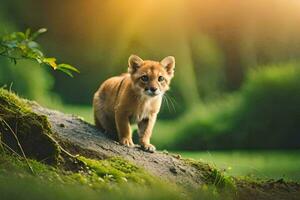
(145, 78)
(161, 78)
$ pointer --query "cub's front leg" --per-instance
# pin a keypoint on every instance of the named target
(124, 130)
(145, 131)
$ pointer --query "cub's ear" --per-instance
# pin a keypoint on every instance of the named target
(134, 62)
(169, 64)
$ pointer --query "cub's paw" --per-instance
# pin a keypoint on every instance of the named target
(149, 148)
(127, 142)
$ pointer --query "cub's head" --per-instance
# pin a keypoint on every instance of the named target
(151, 78)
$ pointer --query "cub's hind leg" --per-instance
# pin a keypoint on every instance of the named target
(103, 121)
(107, 125)
(98, 124)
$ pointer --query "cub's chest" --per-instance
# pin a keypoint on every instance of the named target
(143, 110)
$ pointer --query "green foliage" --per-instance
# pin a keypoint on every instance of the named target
(270, 108)
(26, 78)
(209, 66)
(83, 112)
(263, 114)
(22, 45)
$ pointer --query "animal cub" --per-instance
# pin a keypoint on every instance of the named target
(133, 97)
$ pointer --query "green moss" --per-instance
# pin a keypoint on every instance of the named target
(114, 177)
(113, 174)
(212, 175)
(118, 170)
(97, 174)
(31, 130)
(17, 167)
(12, 102)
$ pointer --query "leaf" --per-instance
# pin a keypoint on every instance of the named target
(68, 67)
(27, 33)
(51, 62)
(19, 45)
(32, 44)
(39, 60)
(10, 44)
(37, 52)
(15, 53)
(66, 71)
(19, 36)
(37, 33)
(23, 47)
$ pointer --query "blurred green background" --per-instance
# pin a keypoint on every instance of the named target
(237, 80)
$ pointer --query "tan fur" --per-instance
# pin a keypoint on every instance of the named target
(128, 98)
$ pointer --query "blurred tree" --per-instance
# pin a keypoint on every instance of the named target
(209, 66)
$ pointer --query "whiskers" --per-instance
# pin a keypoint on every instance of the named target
(170, 101)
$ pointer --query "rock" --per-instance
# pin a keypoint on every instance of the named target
(85, 139)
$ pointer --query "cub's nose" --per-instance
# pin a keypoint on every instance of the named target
(153, 89)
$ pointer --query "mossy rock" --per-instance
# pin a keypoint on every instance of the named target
(119, 170)
(19, 124)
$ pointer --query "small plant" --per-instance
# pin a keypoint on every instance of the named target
(22, 45)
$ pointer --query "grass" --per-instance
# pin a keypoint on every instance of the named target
(85, 112)
(261, 164)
